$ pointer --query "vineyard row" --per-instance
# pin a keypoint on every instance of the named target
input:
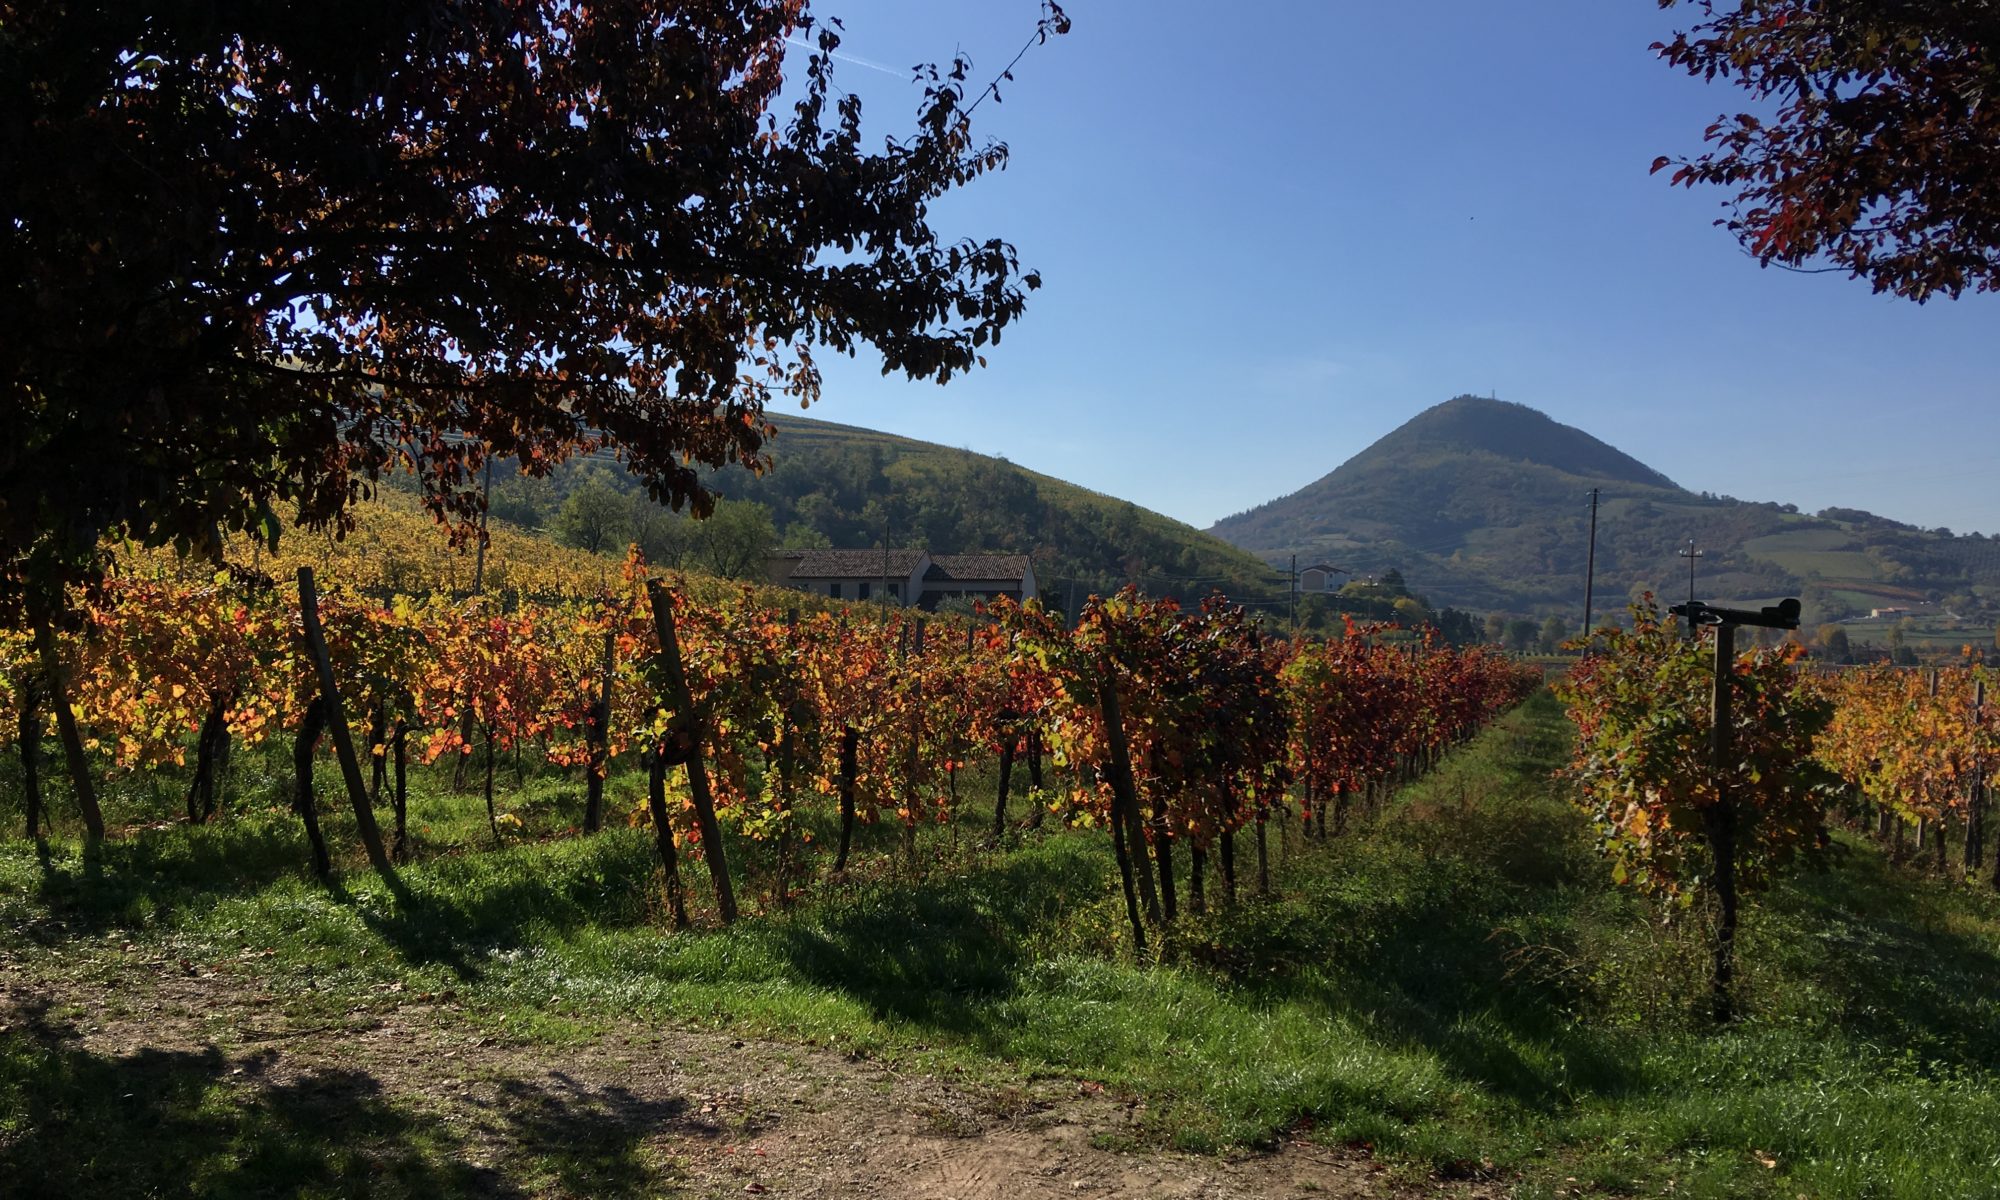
(1175, 729)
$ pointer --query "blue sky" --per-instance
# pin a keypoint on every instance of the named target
(1272, 232)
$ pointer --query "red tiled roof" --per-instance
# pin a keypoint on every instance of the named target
(1010, 567)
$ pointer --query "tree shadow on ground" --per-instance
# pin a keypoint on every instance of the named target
(456, 914)
(1409, 926)
(1895, 954)
(939, 953)
(75, 1122)
(94, 887)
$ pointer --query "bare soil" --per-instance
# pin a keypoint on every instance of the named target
(682, 1112)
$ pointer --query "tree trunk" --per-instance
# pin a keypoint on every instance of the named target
(1006, 778)
(218, 768)
(57, 683)
(1197, 886)
(1229, 866)
(850, 744)
(1263, 858)
(1163, 853)
(492, 818)
(788, 764)
(689, 723)
(1123, 854)
(336, 726)
(1975, 824)
(663, 832)
(303, 801)
(201, 789)
(600, 739)
(951, 814)
(465, 732)
(30, 741)
(399, 749)
(910, 764)
(1125, 796)
(1035, 780)
(378, 758)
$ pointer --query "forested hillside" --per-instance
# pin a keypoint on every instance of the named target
(835, 485)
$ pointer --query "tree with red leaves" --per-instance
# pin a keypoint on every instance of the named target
(1877, 150)
(258, 255)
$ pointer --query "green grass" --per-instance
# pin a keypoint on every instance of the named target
(1455, 985)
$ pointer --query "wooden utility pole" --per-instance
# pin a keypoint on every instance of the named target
(1691, 554)
(1590, 569)
(1294, 614)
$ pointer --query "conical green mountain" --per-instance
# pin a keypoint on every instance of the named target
(1485, 504)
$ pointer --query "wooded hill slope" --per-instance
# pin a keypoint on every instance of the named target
(838, 485)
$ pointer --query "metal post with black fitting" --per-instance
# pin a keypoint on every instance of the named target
(1719, 818)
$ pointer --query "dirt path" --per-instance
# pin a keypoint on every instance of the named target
(640, 1111)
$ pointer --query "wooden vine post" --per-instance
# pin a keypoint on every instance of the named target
(913, 753)
(336, 728)
(1975, 801)
(850, 743)
(1006, 778)
(682, 700)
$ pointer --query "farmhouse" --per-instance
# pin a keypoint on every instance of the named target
(904, 576)
(1320, 578)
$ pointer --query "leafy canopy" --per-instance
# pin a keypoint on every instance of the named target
(261, 254)
(1878, 147)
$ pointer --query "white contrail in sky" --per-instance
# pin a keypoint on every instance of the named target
(845, 57)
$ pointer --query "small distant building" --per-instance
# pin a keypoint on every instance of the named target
(978, 577)
(904, 576)
(1320, 578)
(1887, 612)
